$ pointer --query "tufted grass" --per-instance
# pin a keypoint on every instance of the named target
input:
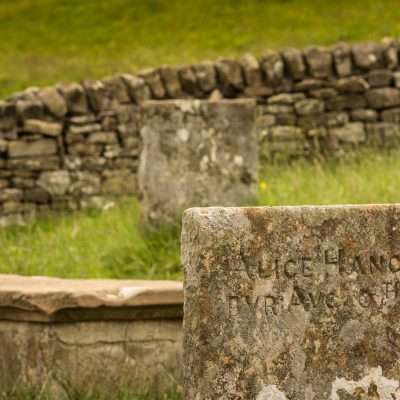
(45, 41)
(109, 244)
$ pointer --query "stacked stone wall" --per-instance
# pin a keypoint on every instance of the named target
(76, 145)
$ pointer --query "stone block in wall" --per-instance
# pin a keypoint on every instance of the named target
(42, 127)
(289, 149)
(55, 182)
(25, 148)
(53, 102)
(75, 97)
(64, 202)
(309, 107)
(188, 79)
(206, 76)
(383, 98)
(323, 93)
(345, 102)
(329, 119)
(3, 146)
(276, 109)
(98, 94)
(24, 179)
(309, 84)
(126, 162)
(17, 207)
(85, 149)
(353, 132)
(286, 119)
(103, 137)
(271, 63)
(117, 88)
(364, 115)
(85, 183)
(367, 55)
(8, 115)
(390, 52)
(29, 109)
(112, 151)
(380, 77)
(94, 163)
(251, 70)
(119, 181)
(352, 84)
(257, 91)
(341, 53)
(36, 195)
(170, 78)
(383, 133)
(294, 63)
(80, 120)
(11, 194)
(153, 80)
(285, 133)
(196, 153)
(34, 163)
(319, 61)
(396, 79)
(138, 88)
(230, 75)
(286, 98)
(78, 133)
(391, 115)
(109, 122)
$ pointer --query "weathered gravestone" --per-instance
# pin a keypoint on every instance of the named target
(292, 303)
(196, 153)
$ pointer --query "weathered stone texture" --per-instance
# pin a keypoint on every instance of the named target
(196, 153)
(292, 303)
(98, 357)
(89, 335)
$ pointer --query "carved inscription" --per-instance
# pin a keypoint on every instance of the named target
(335, 261)
(305, 268)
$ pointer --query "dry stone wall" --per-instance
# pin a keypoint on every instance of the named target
(76, 145)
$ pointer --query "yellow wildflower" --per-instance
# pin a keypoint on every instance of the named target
(263, 185)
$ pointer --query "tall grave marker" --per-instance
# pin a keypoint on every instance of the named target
(196, 153)
(299, 303)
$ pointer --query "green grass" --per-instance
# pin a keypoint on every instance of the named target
(109, 243)
(33, 393)
(45, 41)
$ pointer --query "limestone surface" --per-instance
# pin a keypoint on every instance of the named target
(196, 153)
(299, 303)
(46, 299)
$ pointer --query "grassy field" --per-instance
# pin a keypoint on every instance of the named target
(109, 243)
(44, 41)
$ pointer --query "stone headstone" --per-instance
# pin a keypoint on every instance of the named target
(292, 303)
(196, 153)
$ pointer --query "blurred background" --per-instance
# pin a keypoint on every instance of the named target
(45, 41)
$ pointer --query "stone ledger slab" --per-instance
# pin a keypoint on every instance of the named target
(196, 153)
(45, 299)
(292, 303)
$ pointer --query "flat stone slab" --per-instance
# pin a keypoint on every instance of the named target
(52, 299)
(196, 153)
(292, 303)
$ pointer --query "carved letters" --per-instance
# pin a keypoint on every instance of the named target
(302, 269)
